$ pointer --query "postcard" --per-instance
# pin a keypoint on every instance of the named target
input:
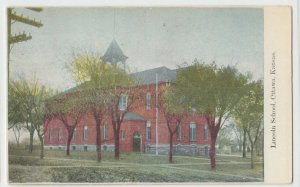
(149, 95)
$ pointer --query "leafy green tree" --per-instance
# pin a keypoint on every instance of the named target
(249, 112)
(39, 114)
(175, 109)
(69, 108)
(105, 85)
(213, 92)
(20, 105)
(25, 106)
(92, 73)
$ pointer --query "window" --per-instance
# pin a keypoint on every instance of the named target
(148, 100)
(122, 135)
(85, 132)
(74, 134)
(148, 130)
(192, 131)
(59, 133)
(205, 132)
(105, 131)
(51, 133)
(178, 132)
(123, 102)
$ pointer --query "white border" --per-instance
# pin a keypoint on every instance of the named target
(3, 74)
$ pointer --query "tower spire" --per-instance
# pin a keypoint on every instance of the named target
(114, 53)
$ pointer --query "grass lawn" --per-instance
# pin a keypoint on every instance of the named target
(82, 167)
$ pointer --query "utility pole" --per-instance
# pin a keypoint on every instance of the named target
(156, 114)
(20, 37)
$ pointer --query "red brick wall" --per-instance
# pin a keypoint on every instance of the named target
(130, 127)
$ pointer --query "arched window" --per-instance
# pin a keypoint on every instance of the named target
(105, 131)
(85, 132)
(148, 130)
(205, 132)
(148, 100)
(192, 131)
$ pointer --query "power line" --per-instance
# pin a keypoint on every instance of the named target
(13, 17)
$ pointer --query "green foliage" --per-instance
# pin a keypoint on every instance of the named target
(249, 111)
(89, 68)
(26, 102)
(101, 84)
(211, 90)
(173, 101)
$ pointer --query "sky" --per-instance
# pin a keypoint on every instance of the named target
(150, 37)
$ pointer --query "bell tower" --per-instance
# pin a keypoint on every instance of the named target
(114, 54)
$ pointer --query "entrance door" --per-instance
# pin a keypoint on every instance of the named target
(137, 142)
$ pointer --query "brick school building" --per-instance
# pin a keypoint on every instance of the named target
(144, 128)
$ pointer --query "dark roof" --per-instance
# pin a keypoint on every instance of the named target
(164, 74)
(144, 77)
(114, 54)
(133, 116)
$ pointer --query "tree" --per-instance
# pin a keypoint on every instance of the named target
(69, 108)
(240, 138)
(104, 84)
(21, 104)
(250, 114)
(17, 133)
(241, 132)
(91, 72)
(213, 92)
(25, 103)
(40, 120)
(120, 102)
(226, 136)
(175, 110)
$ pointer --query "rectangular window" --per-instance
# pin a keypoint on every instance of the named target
(85, 132)
(179, 132)
(148, 100)
(148, 130)
(59, 133)
(51, 134)
(105, 131)
(74, 134)
(123, 102)
(122, 135)
(206, 132)
(192, 131)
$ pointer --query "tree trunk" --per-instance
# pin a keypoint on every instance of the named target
(42, 147)
(68, 147)
(244, 144)
(212, 153)
(31, 141)
(252, 156)
(70, 136)
(117, 146)
(171, 149)
(98, 141)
